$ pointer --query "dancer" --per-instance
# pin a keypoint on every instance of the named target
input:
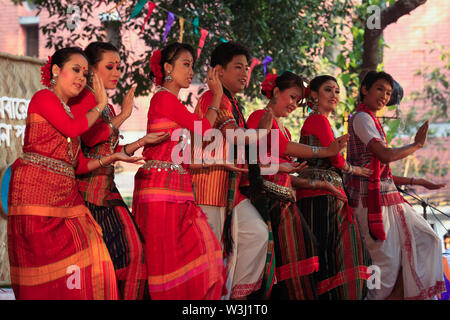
(400, 241)
(97, 187)
(344, 260)
(295, 251)
(217, 190)
(184, 258)
(56, 250)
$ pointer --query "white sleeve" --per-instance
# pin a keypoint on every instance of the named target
(365, 128)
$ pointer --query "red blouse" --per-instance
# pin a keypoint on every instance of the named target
(280, 178)
(97, 186)
(319, 126)
(162, 181)
(33, 186)
(283, 139)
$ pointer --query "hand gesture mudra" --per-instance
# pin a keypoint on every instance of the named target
(99, 91)
(213, 82)
(127, 103)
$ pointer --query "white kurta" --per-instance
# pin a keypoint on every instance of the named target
(411, 244)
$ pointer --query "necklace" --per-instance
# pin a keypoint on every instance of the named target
(69, 140)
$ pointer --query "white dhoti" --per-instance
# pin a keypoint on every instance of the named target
(245, 265)
(412, 245)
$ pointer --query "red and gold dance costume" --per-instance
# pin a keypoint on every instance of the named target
(343, 258)
(294, 253)
(56, 250)
(184, 257)
(217, 193)
(101, 196)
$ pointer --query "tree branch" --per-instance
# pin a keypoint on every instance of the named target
(372, 36)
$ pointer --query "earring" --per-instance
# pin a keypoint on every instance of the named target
(53, 81)
(168, 78)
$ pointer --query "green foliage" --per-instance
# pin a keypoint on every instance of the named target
(291, 31)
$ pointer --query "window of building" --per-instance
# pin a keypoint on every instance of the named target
(30, 27)
(32, 40)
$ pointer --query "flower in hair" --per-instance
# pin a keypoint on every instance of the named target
(155, 66)
(46, 73)
(268, 84)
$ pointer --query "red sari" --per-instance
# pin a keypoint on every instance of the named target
(105, 202)
(55, 246)
(184, 257)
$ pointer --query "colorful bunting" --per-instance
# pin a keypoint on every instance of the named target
(254, 63)
(181, 29)
(195, 24)
(201, 43)
(151, 7)
(169, 23)
(266, 61)
(117, 5)
(137, 9)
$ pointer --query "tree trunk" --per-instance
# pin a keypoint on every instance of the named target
(371, 37)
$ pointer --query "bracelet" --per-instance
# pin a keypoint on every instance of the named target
(411, 181)
(214, 108)
(97, 109)
(114, 129)
(139, 143)
(350, 169)
(125, 151)
(315, 151)
(102, 164)
(313, 184)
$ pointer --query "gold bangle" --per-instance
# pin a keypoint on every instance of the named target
(102, 164)
(138, 143)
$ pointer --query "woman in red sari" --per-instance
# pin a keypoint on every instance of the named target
(294, 260)
(184, 257)
(343, 258)
(97, 187)
(55, 247)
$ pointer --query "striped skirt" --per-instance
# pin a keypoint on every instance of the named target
(343, 258)
(59, 259)
(295, 253)
(183, 256)
(124, 243)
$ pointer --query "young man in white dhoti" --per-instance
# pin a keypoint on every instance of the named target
(400, 241)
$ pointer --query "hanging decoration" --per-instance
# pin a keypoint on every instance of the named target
(196, 25)
(266, 61)
(137, 9)
(255, 62)
(116, 6)
(151, 7)
(181, 20)
(201, 43)
(169, 23)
